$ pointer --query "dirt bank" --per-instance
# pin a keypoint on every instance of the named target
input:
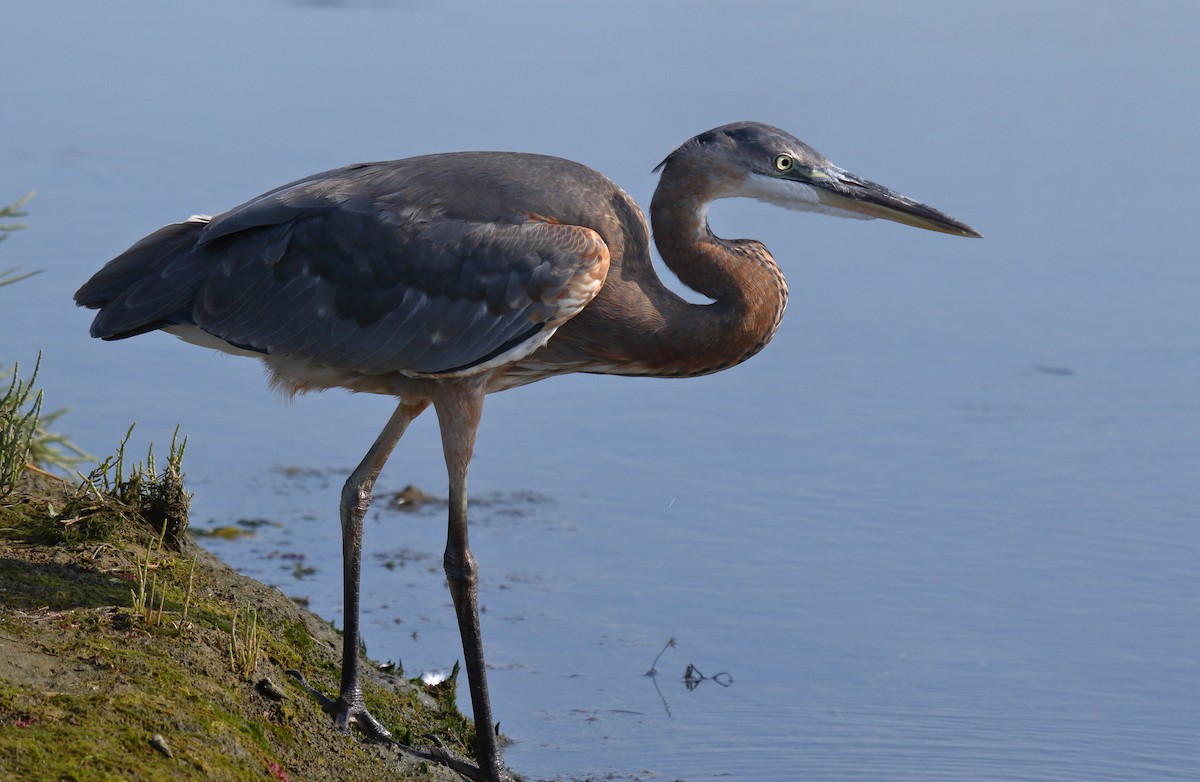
(122, 657)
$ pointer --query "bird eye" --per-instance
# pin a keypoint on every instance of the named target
(784, 162)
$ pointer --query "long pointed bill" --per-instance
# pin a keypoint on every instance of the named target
(840, 189)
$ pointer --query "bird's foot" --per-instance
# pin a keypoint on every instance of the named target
(347, 711)
(354, 711)
(465, 768)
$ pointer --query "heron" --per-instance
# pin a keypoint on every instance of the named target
(442, 278)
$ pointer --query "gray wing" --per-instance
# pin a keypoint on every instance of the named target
(347, 269)
(371, 296)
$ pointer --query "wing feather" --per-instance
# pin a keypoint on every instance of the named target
(351, 291)
(426, 266)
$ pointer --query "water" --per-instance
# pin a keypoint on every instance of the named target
(944, 527)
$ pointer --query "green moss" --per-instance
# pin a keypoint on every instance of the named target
(86, 683)
(297, 637)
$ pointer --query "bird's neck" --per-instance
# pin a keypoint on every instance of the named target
(748, 290)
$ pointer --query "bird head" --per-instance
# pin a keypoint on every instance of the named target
(754, 160)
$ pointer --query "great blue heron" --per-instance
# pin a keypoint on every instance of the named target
(442, 278)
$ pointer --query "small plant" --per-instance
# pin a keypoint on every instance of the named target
(149, 591)
(25, 440)
(9, 276)
(51, 450)
(114, 502)
(143, 491)
(143, 603)
(148, 588)
(13, 210)
(159, 499)
(18, 427)
(187, 598)
(243, 644)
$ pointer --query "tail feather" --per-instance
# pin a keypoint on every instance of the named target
(152, 284)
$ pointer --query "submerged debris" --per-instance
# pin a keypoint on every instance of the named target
(224, 532)
(692, 678)
(410, 499)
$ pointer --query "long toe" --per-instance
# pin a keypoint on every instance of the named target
(357, 715)
(467, 770)
(347, 710)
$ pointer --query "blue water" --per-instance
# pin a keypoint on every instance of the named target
(943, 528)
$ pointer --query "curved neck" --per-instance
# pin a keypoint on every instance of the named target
(748, 290)
(637, 326)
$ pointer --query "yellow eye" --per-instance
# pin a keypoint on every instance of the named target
(784, 162)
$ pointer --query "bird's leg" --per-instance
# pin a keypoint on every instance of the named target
(458, 408)
(356, 498)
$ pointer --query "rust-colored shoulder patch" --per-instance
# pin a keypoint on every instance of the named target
(589, 274)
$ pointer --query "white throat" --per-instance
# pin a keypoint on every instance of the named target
(789, 194)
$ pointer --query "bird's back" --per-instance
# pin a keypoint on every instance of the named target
(435, 265)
